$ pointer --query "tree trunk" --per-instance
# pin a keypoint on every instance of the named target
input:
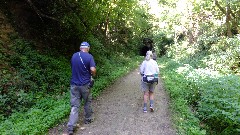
(228, 20)
(106, 25)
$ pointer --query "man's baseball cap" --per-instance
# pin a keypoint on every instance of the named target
(84, 45)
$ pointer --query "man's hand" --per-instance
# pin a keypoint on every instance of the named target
(93, 71)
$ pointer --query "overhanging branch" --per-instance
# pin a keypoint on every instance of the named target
(39, 13)
(223, 10)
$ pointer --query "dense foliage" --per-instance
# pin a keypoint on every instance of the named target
(205, 101)
(64, 24)
(201, 71)
(35, 76)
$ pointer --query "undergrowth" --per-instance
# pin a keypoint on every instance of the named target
(205, 102)
(204, 87)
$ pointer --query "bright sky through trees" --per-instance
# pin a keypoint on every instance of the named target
(153, 5)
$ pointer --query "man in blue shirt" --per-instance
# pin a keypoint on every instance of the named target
(83, 68)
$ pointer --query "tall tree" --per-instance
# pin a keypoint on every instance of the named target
(232, 7)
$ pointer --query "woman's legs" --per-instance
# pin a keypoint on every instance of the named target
(145, 100)
(148, 94)
(151, 98)
(145, 96)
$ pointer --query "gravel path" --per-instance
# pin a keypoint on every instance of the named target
(118, 111)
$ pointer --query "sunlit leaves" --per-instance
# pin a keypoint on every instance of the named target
(213, 97)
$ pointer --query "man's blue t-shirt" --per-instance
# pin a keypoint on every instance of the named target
(80, 74)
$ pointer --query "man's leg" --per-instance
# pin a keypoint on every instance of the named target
(75, 104)
(87, 96)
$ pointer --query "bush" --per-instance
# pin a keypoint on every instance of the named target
(219, 105)
(39, 118)
(212, 97)
(31, 76)
(225, 56)
(179, 90)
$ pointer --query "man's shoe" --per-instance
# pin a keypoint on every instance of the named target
(70, 132)
(88, 121)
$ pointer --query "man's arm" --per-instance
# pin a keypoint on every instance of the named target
(93, 71)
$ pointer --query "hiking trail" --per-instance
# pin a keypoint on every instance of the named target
(118, 111)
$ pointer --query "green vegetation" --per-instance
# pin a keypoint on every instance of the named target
(202, 99)
(35, 77)
(203, 88)
(201, 67)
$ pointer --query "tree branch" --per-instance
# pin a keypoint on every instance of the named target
(223, 10)
(39, 13)
(219, 6)
(232, 12)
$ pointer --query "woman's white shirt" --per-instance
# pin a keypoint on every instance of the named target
(149, 67)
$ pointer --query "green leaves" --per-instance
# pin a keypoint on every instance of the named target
(35, 75)
(214, 99)
(222, 96)
(39, 118)
(181, 94)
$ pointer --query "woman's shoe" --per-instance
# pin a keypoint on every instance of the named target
(144, 109)
(151, 108)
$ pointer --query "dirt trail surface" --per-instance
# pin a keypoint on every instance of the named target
(118, 111)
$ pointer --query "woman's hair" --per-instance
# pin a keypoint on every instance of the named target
(149, 55)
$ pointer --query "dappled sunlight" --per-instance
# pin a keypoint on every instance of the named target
(208, 93)
(154, 7)
(183, 69)
(162, 65)
(189, 72)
